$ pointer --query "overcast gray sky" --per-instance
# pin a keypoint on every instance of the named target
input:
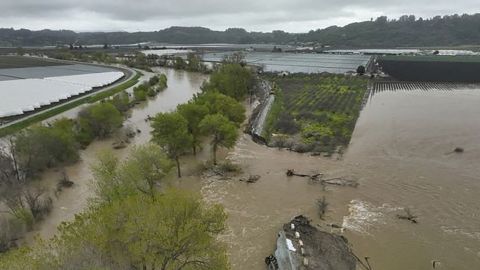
(253, 15)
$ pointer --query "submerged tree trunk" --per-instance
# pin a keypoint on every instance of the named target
(214, 154)
(179, 173)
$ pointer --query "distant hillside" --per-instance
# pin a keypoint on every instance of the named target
(382, 32)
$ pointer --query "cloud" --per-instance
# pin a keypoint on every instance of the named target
(147, 15)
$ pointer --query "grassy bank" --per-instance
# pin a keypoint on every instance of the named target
(314, 113)
(62, 108)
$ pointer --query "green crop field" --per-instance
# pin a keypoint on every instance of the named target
(318, 111)
(22, 62)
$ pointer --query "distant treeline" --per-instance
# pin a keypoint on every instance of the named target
(380, 32)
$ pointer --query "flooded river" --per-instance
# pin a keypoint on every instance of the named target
(401, 154)
(181, 88)
(402, 150)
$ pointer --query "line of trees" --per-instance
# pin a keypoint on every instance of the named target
(407, 30)
(216, 114)
(150, 88)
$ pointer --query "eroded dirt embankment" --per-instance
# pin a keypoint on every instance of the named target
(301, 246)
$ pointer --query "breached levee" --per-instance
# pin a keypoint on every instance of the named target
(257, 119)
(300, 246)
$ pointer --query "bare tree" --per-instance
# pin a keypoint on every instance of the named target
(9, 166)
(36, 204)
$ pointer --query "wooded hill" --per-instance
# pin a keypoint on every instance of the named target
(405, 31)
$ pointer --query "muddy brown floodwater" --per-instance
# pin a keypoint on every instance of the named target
(401, 154)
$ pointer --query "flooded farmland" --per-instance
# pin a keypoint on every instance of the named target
(401, 154)
(402, 148)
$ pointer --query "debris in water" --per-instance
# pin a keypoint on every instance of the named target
(457, 150)
(338, 181)
(251, 179)
(408, 216)
(322, 207)
(291, 172)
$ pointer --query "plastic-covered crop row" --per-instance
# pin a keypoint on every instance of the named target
(20, 96)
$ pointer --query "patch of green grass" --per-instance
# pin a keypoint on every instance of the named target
(325, 107)
(273, 114)
(62, 108)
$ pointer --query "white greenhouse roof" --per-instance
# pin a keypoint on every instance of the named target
(20, 96)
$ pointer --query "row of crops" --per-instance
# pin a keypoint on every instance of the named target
(422, 86)
(318, 112)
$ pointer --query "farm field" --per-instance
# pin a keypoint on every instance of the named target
(50, 71)
(21, 62)
(474, 58)
(422, 86)
(463, 69)
(406, 52)
(315, 113)
(298, 63)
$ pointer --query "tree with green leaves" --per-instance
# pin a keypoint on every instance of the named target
(194, 114)
(194, 63)
(170, 131)
(222, 132)
(121, 101)
(177, 231)
(107, 183)
(361, 70)
(41, 147)
(140, 92)
(218, 103)
(141, 172)
(179, 63)
(98, 120)
(232, 80)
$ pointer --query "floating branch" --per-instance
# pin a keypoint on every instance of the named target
(408, 216)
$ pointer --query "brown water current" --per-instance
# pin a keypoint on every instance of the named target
(401, 154)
